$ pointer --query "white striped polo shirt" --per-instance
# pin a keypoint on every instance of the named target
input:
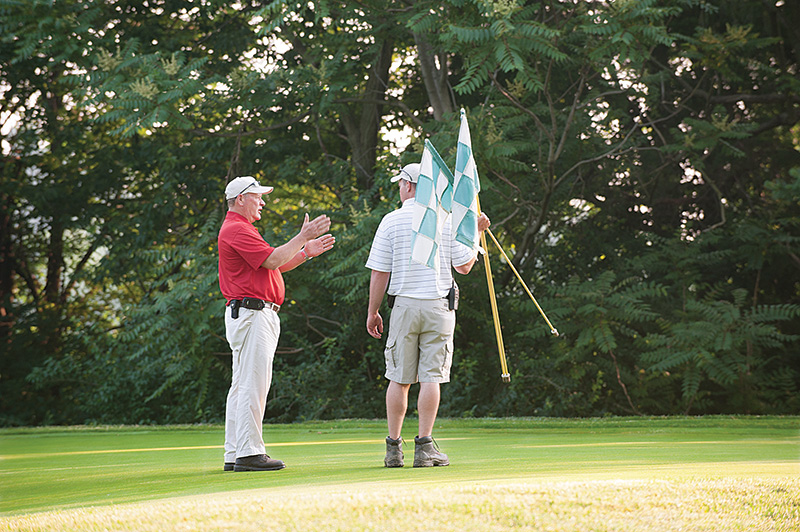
(391, 252)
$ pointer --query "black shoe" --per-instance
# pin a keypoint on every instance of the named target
(257, 462)
(228, 466)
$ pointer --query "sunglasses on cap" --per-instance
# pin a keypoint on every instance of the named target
(253, 184)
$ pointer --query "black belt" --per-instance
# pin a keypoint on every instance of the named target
(251, 303)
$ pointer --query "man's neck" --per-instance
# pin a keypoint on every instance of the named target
(239, 212)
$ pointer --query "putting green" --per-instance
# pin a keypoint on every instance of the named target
(55, 469)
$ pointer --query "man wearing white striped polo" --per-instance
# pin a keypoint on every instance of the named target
(419, 345)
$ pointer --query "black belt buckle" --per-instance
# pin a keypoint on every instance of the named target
(235, 308)
(253, 303)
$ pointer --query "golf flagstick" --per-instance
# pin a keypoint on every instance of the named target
(506, 376)
(496, 243)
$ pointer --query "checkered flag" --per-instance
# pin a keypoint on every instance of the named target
(466, 188)
(433, 203)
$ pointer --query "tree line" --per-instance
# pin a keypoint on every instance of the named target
(640, 162)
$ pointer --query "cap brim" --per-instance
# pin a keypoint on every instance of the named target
(260, 190)
(397, 178)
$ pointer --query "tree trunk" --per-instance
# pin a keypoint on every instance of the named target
(434, 71)
(362, 120)
(6, 270)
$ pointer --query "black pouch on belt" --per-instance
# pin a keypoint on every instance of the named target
(452, 297)
(235, 308)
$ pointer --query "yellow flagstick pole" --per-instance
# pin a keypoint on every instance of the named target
(496, 243)
(506, 376)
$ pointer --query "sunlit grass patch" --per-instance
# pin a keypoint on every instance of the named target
(713, 505)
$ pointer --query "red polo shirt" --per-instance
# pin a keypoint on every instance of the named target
(242, 251)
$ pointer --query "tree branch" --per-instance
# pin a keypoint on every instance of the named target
(282, 125)
(79, 267)
(387, 101)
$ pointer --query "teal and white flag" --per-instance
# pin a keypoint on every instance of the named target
(466, 187)
(432, 205)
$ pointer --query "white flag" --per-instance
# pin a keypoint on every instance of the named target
(466, 187)
(433, 203)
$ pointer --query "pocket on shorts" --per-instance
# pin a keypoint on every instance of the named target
(448, 359)
(389, 353)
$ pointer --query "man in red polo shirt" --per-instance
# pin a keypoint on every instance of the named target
(251, 281)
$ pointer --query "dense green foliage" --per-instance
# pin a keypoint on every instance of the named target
(640, 162)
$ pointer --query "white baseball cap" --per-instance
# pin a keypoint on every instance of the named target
(245, 184)
(410, 172)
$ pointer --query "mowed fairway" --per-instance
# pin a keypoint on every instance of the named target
(718, 473)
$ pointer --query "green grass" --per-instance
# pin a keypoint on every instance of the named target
(718, 473)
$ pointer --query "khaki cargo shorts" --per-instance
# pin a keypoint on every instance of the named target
(419, 347)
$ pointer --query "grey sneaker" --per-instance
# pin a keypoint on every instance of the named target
(394, 452)
(427, 453)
